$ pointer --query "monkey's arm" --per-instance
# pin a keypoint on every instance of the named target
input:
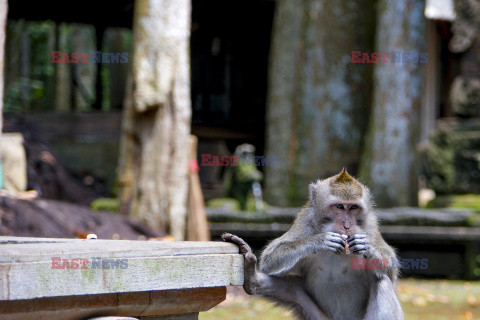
(283, 254)
(287, 291)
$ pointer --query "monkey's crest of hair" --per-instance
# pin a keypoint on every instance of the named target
(345, 186)
(340, 187)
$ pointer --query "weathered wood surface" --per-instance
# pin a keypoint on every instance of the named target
(152, 280)
(26, 268)
(170, 304)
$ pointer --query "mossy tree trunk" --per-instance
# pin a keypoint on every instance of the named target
(3, 21)
(154, 151)
(317, 108)
(389, 162)
(63, 71)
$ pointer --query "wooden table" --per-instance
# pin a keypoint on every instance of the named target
(67, 279)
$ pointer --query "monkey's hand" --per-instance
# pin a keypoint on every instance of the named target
(330, 241)
(359, 244)
(250, 267)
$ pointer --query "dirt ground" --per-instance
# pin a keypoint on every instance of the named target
(421, 299)
(58, 219)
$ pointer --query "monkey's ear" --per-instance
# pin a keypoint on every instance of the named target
(313, 191)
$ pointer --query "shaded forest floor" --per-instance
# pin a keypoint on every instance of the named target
(421, 299)
(58, 219)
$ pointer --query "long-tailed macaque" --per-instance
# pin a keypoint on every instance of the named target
(333, 263)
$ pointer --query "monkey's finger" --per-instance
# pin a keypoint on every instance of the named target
(227, 237)
(359, 248)
(357, 241)
(332, 249)
(334, 238)
(357, 237)
(335, 247)
(334, 234)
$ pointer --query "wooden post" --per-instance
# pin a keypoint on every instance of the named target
(197, 226)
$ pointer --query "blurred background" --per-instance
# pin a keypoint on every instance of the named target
(180, 120)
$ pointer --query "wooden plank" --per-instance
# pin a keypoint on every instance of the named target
(139, 304)
(27, 270)
(20, 249)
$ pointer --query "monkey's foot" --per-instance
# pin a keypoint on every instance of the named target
(244, 247)
(245, 250)
(250, 283)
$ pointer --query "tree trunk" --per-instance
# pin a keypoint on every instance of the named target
(154, 153)
(84, 74)
(63, 71)
(3, 22)
(389, 163)
(117, 40)
(317, 106)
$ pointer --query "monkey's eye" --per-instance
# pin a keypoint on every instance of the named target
(353, 207)
(339, 206)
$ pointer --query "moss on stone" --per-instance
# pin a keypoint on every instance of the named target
(105, 204)
(229, 204)
(460, 201)
(474, 220)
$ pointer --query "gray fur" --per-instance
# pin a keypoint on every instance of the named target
(307, 269)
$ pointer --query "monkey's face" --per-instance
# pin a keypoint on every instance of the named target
(341, 204)
(345, 217)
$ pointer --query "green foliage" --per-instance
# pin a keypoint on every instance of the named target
(229, 204)
(30, 85)
(251, 205)
(105, 78)
(232, 205)
(459, 201)
(474, 220)
(12, 97)
(105, 204)
(30, 90)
